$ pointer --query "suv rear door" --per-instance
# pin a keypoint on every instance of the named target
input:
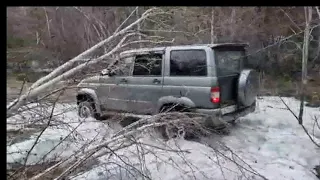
(145, 84)
(188, 73)
(228, 60)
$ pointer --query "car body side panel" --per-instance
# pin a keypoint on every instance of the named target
(144, 94)
(145, 91)
(113, 93)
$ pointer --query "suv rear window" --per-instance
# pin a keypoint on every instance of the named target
(188, 63)
(228, 60)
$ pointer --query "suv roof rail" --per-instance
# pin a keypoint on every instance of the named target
(161, 49)
(226, 44)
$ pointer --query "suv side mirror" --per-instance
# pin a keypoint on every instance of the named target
(107, 72)
(104, 72)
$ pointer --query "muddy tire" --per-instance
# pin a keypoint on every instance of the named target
(86, 110)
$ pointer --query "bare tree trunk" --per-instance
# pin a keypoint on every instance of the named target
(318, 11)
(138, 25)
(37, 37)
(48, 23)
(308, 15)
(232, 23)
(212, 25)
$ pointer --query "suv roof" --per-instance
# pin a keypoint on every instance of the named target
(161, 49)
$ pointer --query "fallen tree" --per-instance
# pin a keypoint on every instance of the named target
(64, 72)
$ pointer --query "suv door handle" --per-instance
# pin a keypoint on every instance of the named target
(123, 80)
(156, 81)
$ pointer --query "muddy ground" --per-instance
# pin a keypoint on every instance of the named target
(14, 89)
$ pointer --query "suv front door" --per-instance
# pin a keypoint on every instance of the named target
(113, 90)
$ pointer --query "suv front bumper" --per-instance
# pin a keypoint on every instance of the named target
(229, 113)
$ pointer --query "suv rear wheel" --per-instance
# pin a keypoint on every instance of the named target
(172, 132)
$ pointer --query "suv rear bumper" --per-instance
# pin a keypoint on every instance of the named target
(229, 113)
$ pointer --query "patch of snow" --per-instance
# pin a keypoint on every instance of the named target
(272, 141)
(200, 162)
(269, 141)
(76, 132)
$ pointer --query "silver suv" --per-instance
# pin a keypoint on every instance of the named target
(207, 78)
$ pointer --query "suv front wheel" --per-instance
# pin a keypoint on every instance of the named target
(85, 110)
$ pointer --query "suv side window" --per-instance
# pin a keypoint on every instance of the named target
(124, 68)
(148, 65)
(188, 63)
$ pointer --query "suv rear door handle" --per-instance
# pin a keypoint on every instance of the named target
(156, 81)
(123, 80)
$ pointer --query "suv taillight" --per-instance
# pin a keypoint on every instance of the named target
(215, 95)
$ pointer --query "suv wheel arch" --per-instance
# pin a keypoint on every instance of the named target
(171, 101)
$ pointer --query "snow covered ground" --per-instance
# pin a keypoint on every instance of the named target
(267, 143)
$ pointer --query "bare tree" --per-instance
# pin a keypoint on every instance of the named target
(304, 80)
(305, 51)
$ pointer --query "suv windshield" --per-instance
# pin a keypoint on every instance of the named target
(228, 60)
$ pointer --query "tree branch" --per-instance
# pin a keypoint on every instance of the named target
(303, 127)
